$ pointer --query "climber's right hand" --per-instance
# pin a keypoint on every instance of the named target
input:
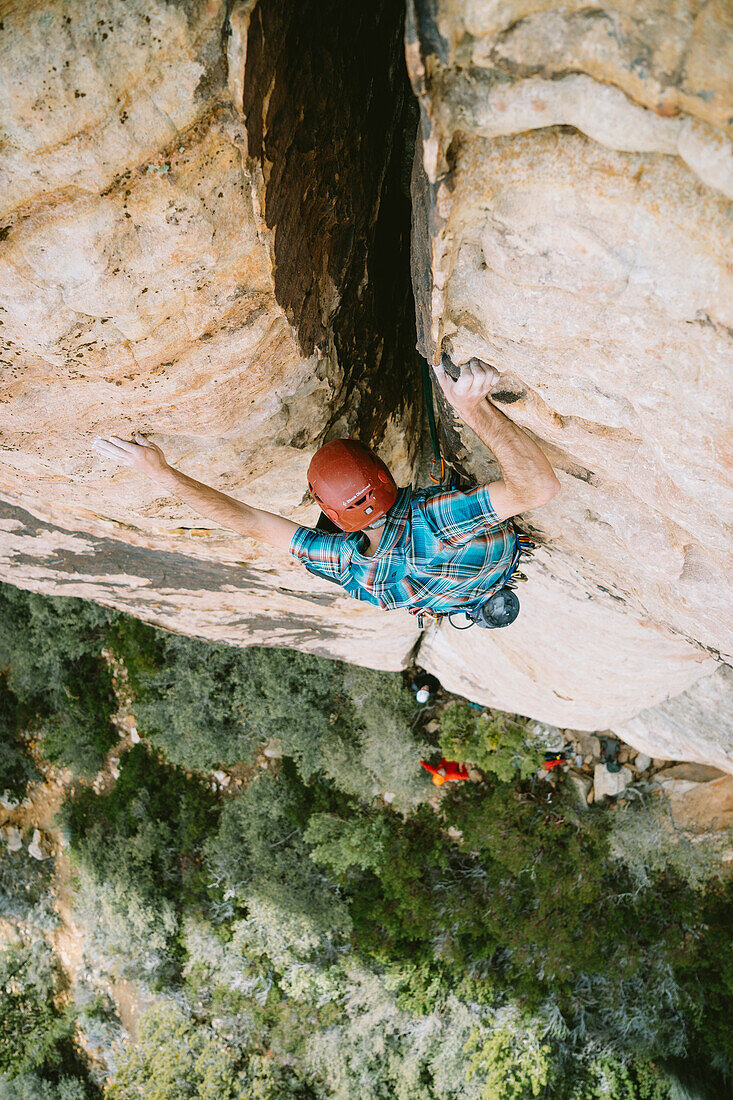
(138, 454)
(470, 389)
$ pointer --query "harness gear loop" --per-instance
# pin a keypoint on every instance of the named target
(468, 625)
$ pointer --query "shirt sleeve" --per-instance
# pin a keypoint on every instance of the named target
(319, 552)
(457, 516)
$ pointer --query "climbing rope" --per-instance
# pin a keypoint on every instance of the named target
(438, 459)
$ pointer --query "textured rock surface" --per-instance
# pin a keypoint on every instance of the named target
(572, 226)
(203, 234)
(241, 602)
(704, 807)
(608, 784)
(696, 725)
(158, 272)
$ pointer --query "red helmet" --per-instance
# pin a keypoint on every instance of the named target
(353, 487)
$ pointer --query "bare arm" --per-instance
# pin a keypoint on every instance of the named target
(528, 478)
(148, 459)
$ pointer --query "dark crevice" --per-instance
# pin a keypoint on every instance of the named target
(331, 118)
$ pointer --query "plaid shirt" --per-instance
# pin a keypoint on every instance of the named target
(440, 551)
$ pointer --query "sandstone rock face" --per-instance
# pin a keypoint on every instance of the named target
(158, 272)
(572, 226)
(204, 231)
(704, 807)
(696, 725)
(571, 658)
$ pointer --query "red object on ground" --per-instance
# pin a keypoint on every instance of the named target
(554, 763)
(446, 771)
(352, 485)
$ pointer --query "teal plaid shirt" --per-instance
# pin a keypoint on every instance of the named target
(440, 550)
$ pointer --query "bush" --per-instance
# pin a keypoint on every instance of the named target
(147, 832)
(496, 743)
(207, 705)
(51, 651)
(139, 847)
(25, 892)
(644, 840)
(512, 1062)
(42, 640)
(525, 900)
(388, 752)
(174, 1057)
(178, 1056)
(32, 1087)
(80, 734)
(31, 1026)
(17, 769)
(260, 850)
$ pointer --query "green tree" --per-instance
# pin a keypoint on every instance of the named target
(51, 652)
(16, 765)
(31, 1024)
(26, 899)
(208, 705)
(139, 847)
(32, 1087)
(260, 849)
(174, 1057)
(496, 743)
(512, 1062)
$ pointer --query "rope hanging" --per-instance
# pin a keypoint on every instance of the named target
(428, 392)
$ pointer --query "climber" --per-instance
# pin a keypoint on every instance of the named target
(432, 551)
(446, 771)
(424, 686)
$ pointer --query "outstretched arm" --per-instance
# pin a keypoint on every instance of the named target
(528, 479)
(146, 458)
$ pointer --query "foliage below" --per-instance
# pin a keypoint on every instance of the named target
(32, 1087)
(33, 1030)
(172, 1055)
(51, 652)
(644, 840)
(333, 928)
(139, 851)
(17, 769)
(512, 1062)
(260, 850)
(208, 705)
(25, 892)
(496, 743)
(176, 1056)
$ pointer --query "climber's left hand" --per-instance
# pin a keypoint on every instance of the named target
(138, 453)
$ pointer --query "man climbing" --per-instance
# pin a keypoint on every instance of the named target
(432, 551)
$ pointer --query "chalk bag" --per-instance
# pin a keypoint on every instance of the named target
(499, 610)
